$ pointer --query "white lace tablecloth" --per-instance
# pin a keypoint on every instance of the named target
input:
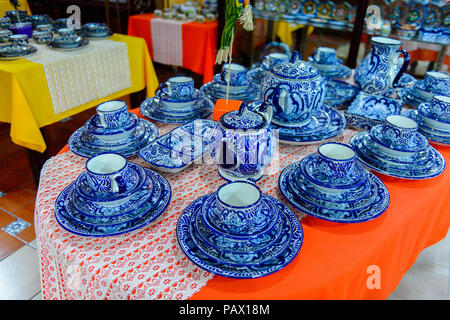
(167, 41)
(81, 76)
(146, 263)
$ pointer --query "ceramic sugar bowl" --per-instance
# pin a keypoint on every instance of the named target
(244, 142)
(295, 89)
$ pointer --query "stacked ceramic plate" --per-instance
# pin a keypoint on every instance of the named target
(111, 197)
(96, 30)
(16, 46)
(113, 129)
(433, 119)
(67, 39)
(177, 101)
(396, 148)
(339, 94)
(434, 83)
(333, 186)
(368, 110)
(239, 232)
(240, 87)
(329, 66)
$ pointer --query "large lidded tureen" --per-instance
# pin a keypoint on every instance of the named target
(295, 89)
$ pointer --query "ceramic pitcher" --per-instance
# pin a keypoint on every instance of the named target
(379, 71)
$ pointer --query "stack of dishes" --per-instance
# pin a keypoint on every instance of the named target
(339, 94)
(112, 129)
(94, 30)
(329, 66)
(434, 83)
(433, 119)
(395, 148)
(333, 186)
(239, 232)
(240, 88)
(177, 101)
(368, 110)
(67, 39)
(113, 196)
(16, 46)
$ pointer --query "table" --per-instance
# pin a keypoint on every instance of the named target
(336, 261)
(199, 43)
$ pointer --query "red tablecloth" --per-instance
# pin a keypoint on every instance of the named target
(343, 261)
(199, 43)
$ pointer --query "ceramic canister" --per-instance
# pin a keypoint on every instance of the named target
(295, 89)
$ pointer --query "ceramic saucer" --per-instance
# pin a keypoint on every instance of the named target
(144, 134)
(339, 94)
(217, 266)
(430, 166)
(143, 216)
(437, 136)
(252, 94)
(151, 109)
(410, 96)
(377, 200)
(75, 46)
(337, 71)
(325, 124)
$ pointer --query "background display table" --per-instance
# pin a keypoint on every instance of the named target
(336, 261)
(194, 46)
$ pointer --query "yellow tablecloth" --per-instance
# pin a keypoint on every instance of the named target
(5, 5)
(26, 103)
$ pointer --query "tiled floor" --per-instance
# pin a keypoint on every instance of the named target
(19, 266)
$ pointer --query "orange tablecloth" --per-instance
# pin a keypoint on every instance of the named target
(199, 43)
(342, 261)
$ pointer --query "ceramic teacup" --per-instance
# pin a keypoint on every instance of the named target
(440, 108)
(108, 173)
(200, 18)
(435, 82)
(398, 129)
(179, 88)
(19, 39)
(157, 13)
(113, 114)
(235, 74)
(67, 34)
(4, 35)
(237, 205)
(325, 55)
(41, 36)
(270, 60)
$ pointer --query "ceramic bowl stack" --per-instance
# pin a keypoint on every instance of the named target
(297, 91)
(239, 232)
(434, 83)
(333, 186)
(112, 129)
(329, 66)
(17, 47)
(240, 85)
(396, 148)
(67, 39)
(433, 119)
(177, 101)
(112, 196)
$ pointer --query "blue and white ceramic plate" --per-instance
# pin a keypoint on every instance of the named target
(432, 134)
(431, 165)
(170, 104)
(377, 203)
(339, 71)
(242, 271)
(251, 94)
(65, 47)
(13, 52)
(325, 124)
(339, 94)
(141, 217)
(147, 133)
(410, 96)
(177, 149)
(151, 109)
(369, 110)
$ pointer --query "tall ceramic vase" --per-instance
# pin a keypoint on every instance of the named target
(379, 70)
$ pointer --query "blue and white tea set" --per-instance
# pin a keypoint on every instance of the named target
(433, 119)
(67, 39)
(240, 85)
(95, 30)
(297, 91)
(177, 101)
(324, 59)
(332, 185)
(239, 232)
(434, 83)
(16, 46)
(112, 129)
(111, 197)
